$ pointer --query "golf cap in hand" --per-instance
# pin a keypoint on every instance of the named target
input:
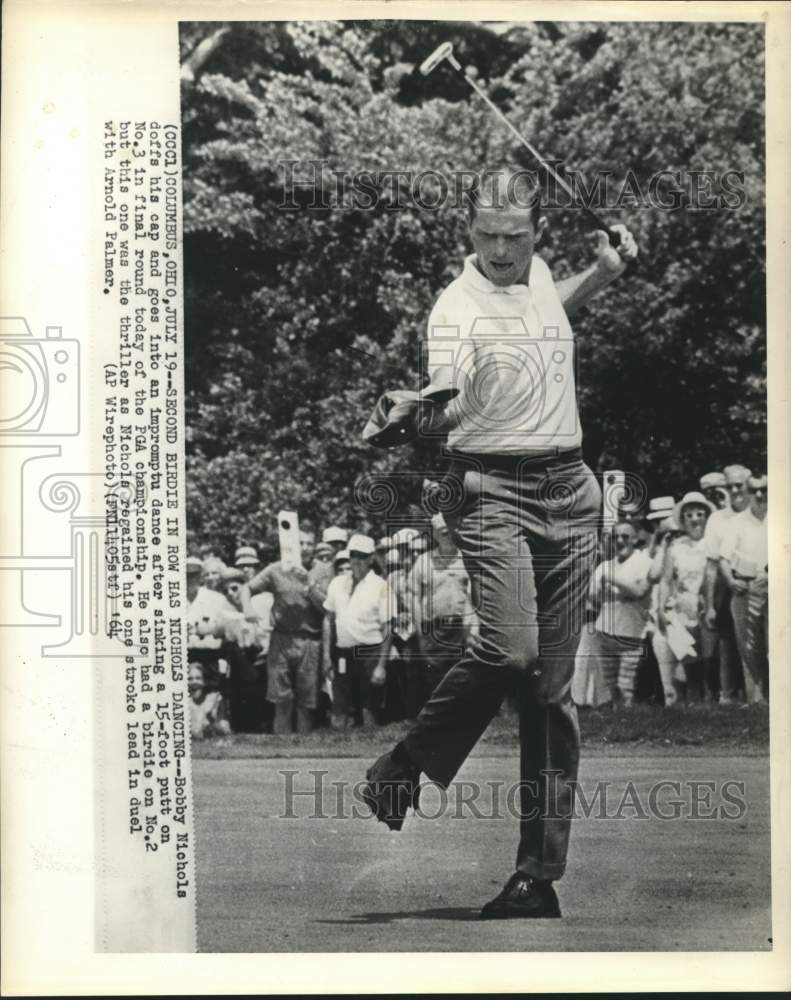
(394, 420)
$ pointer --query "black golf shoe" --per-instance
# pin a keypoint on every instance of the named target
(392, 787)
(523, 897)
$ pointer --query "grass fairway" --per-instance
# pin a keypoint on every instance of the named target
(267, 883)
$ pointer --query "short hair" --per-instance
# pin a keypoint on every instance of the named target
(624, 522)
(521, 190)
(739, 472)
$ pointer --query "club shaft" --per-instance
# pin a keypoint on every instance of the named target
(600, 223)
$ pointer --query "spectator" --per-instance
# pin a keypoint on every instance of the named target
(588, 685)
(399, 563)
(439, 588)
(323, 569)
(343, 564)
(322, 572)
(246, 636)
(336, 537)
(677, 641)
(212, 573)
(621, 590)
(744, 557)
(207, 708)
(402, 543)
(360, 608)
(380, 556)
(246, 559)
(405, 671)
(665, 531)
(714, 487)
(205, 608)
(295, 643)
(720, 646)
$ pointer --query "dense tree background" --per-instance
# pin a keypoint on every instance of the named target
(297, 320)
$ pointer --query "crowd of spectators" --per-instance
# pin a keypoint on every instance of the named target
(363, 630)
(679, 601)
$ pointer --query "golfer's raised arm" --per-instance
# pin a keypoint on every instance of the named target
(576, 291)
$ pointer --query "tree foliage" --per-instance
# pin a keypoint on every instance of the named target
(297, 318)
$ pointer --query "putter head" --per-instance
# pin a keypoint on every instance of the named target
(444, 51)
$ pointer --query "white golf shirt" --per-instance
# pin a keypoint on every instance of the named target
(362, 613)
(510, 352)
(746, 545)
(624, 612)
(716, 530)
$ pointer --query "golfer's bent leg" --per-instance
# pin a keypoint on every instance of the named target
(492, 542)
(455, 716)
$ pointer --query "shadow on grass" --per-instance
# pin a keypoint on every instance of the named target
(455, 913)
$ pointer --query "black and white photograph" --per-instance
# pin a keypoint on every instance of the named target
(477, 489)
(391, 599)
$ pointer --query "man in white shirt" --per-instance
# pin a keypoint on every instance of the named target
(360, 608)
(744, 558)
(526, 526)
(718, 636)
(621, 588)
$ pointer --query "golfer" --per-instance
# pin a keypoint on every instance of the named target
(526, 527)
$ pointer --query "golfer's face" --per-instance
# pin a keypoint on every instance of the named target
(504, 240)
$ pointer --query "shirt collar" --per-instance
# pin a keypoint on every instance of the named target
(471, 275)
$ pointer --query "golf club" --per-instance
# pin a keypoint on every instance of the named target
(444, 53)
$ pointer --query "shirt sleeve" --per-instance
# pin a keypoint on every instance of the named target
(443, 338)
(712, 539)
(263, 581)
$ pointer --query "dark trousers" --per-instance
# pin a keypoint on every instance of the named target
(354, 698)
(528, 536)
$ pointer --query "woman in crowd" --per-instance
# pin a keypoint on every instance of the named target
(680, 606)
